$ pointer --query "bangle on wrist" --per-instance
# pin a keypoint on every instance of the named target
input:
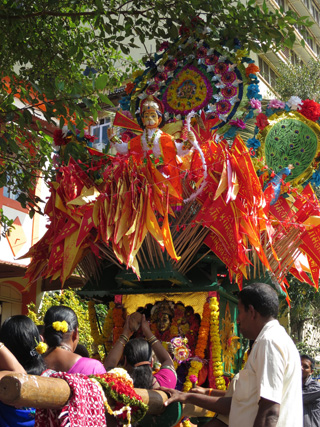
(152, 338)
(123, 343)
(153, 342)
(125, 338)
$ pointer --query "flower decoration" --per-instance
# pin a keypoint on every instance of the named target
(127, 406)
(221, 68)
(228, 78)
(211, 60)
(203, 335)
(223, 107)
(160, 77)
(238, 123)
(253, 143)
(108, 327)
(118, 321)
(170, 65)
(151, 89)
(310, 109)
(276, 104)
(41, 348)
(193, 379)
(180, 350)
(262, 121)
(164, 46)
(58, 138)
(255, 104)
(201, 52)
(294, 102)
(229, 92)
(253, 91)
(252, 69)
(216, 344)
(129, 87)
(60, 326)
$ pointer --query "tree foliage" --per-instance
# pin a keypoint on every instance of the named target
(301, 80)
(305, 309)
(62, 56)
(70, 299)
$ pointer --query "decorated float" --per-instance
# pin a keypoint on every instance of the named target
(210, 187)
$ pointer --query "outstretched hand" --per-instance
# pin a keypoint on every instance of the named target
(198, 390)
(174, 395)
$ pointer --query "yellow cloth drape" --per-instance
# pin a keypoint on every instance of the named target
(195, 299)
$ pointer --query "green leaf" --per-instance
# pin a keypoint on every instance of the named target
(104, 98)
(101, 81)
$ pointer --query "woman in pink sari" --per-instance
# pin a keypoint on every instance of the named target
(62, 336)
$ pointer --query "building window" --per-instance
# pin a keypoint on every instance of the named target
(315, 12)
(7, 192)
(309, 40)
(267, 73)
(100, 132)
(280, 4)
(294, 58)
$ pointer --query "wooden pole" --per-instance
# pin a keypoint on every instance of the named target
(22, 390)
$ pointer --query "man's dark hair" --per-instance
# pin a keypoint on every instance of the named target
(262, 297)
(305, 356)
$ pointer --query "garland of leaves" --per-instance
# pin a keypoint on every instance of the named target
(97, 337)
(128, 406)
(197, 364)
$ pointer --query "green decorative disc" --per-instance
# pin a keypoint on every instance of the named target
(289, 140)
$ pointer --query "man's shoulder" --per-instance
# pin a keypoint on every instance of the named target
(312, 385)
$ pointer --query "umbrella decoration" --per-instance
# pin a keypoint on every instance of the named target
(243, 191)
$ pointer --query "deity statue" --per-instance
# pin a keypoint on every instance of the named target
(162, 315)
(155, 143)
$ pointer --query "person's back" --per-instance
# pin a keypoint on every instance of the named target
(21, 336)
(273, 373)
(269, 386)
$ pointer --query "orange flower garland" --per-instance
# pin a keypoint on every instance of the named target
(196, 365)
(216, 344)
(108, 327)
(118, 322)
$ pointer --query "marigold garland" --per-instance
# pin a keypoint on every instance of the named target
(196, 364)
(216, 344)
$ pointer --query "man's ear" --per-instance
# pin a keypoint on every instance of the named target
(252, 311)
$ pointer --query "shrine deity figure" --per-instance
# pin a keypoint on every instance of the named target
(155, 143)
(161, 316)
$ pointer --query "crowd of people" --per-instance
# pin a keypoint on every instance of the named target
(275, 387)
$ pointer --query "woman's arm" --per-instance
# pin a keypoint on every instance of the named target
(161, 353)
(8, 363)
(114, 355)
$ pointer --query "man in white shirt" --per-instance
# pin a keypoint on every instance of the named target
(268, 391)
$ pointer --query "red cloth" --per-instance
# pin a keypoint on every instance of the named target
(85, 407)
